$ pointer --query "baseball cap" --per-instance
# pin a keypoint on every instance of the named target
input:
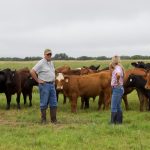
(47, 51)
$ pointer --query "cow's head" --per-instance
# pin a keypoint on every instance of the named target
(2, 77)
(131, 81)
(30, 82)
(10, 76)
(59, 81)
(147, 86)
(63, 69)
(139, 64)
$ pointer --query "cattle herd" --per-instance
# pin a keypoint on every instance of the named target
(86, 82)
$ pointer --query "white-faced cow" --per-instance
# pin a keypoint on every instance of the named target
(85, 86)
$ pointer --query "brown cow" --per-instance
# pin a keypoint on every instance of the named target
(86, 86)
(147, 86)
(26, 88)
(78, 71)
(63, 69)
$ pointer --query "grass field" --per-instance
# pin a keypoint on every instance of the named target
(85, 130)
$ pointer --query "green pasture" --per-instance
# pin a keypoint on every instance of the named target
(72, 63)
(85, 130)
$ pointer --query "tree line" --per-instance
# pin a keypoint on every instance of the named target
(63, 56)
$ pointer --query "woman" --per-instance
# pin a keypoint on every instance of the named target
(117, 72)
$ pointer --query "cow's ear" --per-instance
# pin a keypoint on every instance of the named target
(1, 72)
(66, 79)
(146, 72)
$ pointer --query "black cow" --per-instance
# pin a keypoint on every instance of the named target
(10, 84)
(141, 64)
(27, 89)
(138, 82)
(92, 67)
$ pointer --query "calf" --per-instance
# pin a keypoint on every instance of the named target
(27, 83)
(86, 86)
(28, 88)
(138, 82)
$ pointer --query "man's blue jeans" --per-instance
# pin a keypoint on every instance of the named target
(47, 95)
(117, 93)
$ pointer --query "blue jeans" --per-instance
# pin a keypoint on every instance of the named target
(117, 93)
(47, 95)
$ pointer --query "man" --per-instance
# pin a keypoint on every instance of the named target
(117, 90)
(44, 74)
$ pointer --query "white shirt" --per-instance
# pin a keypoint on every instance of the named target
(45, 70)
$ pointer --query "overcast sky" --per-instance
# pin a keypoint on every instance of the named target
(75, 27)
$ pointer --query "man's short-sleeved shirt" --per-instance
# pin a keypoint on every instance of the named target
(45, 70)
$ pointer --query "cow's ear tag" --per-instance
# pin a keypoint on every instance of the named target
(66, 80)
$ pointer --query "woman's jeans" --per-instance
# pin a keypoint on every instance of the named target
(117, 93)
(47, 95)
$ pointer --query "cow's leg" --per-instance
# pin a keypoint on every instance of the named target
(18, 100)
(125, 102)
(57, 94)
(64, 102)
(73, 103)
(148, 104)
(107, 99)
(30, 99)
(141, 99)
(101, 101)
(24, 98)
(8, 97)
(86, 103)
(82, 102)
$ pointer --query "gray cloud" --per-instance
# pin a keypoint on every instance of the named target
(87, 27)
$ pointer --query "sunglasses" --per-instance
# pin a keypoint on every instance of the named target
(49, 54)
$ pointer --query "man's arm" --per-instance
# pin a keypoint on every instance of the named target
(35, 77)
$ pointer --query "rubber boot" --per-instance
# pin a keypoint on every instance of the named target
(53, 111)
(43, 116)
(113, 118)
(119, 117)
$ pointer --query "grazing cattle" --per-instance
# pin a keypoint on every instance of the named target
(63, 69)
(27, 83)
(138, 82)
(85, 86)
(79, 71)
(92, 67)
(10, 83)
(147, 86)
(135, 71)
(84, 71)
(141, 64)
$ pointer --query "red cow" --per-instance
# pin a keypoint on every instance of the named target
(147, 86)
(85, 86)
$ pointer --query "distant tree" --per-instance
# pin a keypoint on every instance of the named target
(84, 58)
(32, 58)
(102, 58)
(136, 57)
(125, 57)
(61, 56)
